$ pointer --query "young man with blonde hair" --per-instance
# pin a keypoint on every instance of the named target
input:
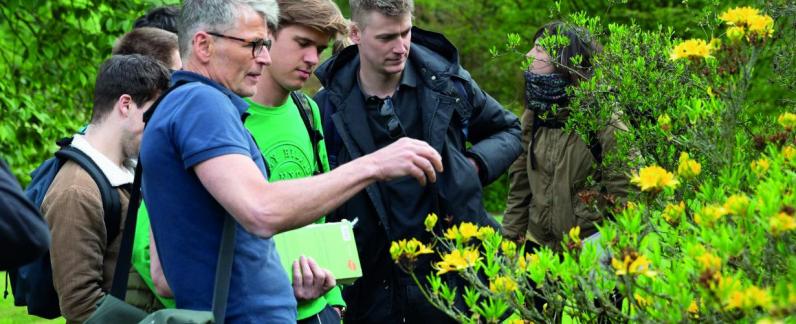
(286, 123)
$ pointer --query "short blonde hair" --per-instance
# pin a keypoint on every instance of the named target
(321, 15)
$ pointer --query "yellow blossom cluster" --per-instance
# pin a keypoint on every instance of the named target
(408, 249)
(708, 215)
(749, 21)
(787, 120)
(633, 264)
(692, 48)
(502, 285)
(748, 298)
(457, 260)
(688, 168)
(654, 178)
(464, 232)
(781, 223)
(789, 153)
(709, 262)
(760, 166)
(672, 213)
(509, 248)
(737, 204)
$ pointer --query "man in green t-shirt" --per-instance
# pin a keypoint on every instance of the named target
(290, 148)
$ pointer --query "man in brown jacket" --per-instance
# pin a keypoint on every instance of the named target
(82, 261)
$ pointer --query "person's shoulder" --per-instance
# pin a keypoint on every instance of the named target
(72, 184)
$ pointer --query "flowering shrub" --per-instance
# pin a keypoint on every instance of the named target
(709, 235)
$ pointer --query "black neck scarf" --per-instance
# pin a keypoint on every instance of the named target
(542, 91)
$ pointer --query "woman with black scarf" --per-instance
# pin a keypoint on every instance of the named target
(560, 182)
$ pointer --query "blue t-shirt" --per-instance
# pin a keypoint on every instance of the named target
(194, 123)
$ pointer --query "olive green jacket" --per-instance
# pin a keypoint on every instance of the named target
(546, 202)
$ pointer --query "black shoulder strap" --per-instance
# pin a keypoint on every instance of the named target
(305, 110)
(111, 204)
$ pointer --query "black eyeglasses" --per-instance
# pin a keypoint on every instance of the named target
(256, 44)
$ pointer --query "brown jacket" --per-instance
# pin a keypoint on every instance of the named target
(82, 262)
(548, 201)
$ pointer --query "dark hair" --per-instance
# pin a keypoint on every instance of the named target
(141, 77)
(580, 43)
(157, 43)
(164, 17)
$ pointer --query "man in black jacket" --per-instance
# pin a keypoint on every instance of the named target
(24, 235)
(379, 91)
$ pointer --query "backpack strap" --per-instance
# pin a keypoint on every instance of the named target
(305, 110)
(123, 263)
(111, 204)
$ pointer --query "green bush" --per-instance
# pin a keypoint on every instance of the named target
(51, 52)
(710, 234)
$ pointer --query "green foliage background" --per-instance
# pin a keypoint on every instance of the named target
(51, 50)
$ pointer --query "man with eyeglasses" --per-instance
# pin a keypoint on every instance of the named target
(378, 92)
(200, 165)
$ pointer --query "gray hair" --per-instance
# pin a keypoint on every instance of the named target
(219, 15)
(390, 8)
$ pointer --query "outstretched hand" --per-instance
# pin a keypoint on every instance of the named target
(309, 280)
(408, 157)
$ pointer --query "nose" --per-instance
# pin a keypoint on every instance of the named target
(312, 57)
(264, 57)
(529, 54)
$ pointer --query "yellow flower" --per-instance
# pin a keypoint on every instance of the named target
(672, 213)
(430, 221)
(761, 25)
(665, 122)
(693, 308)
(739, 16)
(502, 285)
(748, 298)
(789, 153)
(527, 261)
(509, 248)
(737, 204)
(485, 232)
(468, 231)
(654, 178)
(457, 260)
(715, 45)
(452, 233)
(709, 262)
(736, 33)
(574, 234)
(631, 265)
(787, 120)
(692, 48)
(408, 249)
(760, 166)
(709, 214)
(688, 168)
(768, 320)
(781, 223)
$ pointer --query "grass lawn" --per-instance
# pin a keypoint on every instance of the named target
(10, 314)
